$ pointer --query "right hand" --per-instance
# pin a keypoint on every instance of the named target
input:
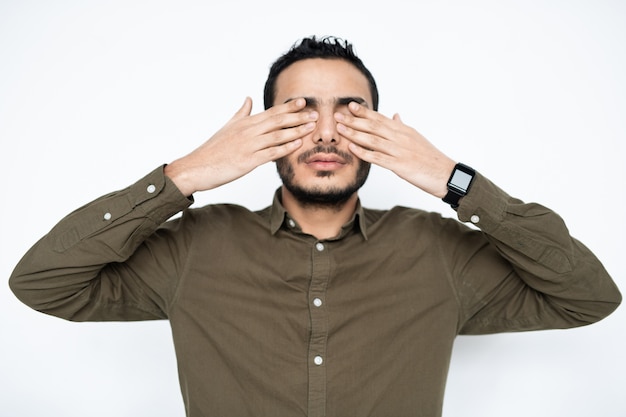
(244, 143)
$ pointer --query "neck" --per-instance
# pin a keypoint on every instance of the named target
(320, 220)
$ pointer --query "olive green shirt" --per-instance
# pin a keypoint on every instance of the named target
(270, 321)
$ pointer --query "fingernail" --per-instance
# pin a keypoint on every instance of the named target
(309, 125)
(340, 116)
(313, 115)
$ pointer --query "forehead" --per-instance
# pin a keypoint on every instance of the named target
(323, 79)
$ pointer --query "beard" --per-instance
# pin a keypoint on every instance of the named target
(317, 196)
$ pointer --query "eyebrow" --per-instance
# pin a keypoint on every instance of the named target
(340, 101)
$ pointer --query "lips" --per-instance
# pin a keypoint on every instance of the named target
(325, 158)
(325, 155)
(325, 163)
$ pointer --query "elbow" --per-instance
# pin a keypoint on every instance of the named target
(39, 294)
(593, 295)
(29, 295)
(19, 287)
(610, 305)
(611, 300)
(593, 311)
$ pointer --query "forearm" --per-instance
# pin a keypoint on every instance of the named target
(59, 275)
(564, 273)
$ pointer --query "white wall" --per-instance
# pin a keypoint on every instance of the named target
(95, 94)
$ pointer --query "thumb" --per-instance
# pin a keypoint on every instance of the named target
(245, 109)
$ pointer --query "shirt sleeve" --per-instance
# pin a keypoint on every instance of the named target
(547, 279)
(78, 271)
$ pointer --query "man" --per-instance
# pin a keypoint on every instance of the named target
(316, 306)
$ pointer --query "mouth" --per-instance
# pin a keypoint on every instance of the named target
(325, 162)
(325, 158)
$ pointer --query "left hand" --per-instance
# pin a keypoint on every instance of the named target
(391, 144)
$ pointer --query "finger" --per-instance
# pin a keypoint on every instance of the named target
(365, 112)
(244, 110)
(287, 116)
(370, 155)
(365, 140)
(294, 105)
(282, 136)
(291, 106)
(289, 120)
(276, 152)
(362, 119)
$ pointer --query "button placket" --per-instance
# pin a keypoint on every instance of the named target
(320, 275)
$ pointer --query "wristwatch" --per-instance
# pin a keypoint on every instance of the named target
(459, 184)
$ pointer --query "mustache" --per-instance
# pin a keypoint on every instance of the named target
(302, 158)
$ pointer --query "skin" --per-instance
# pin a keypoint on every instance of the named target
(336, 112)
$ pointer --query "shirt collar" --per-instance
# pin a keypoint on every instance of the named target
(278, 217)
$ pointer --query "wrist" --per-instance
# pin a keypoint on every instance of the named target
(444, 177)
(175, 173)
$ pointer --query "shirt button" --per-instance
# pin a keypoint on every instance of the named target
(475, 219)
(151, 188)
(107, 216)
(319, 246)
(291, 223)
(318, 360)
(317, 302)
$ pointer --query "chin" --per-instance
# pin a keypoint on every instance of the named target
(325, 188)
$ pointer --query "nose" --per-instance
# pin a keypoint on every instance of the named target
(326, 130)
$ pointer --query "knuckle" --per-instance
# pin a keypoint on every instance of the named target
(279, 119)
(372, 125)
(353, 133)
(374, 157)
(273, 152)
(276, 136)
(303, 129)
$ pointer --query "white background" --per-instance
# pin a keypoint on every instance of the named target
(94, 94)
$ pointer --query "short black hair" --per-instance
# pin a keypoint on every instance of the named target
(328, 47)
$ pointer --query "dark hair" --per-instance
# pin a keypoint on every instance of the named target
(328, 47)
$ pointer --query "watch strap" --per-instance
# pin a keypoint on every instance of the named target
(452, 198)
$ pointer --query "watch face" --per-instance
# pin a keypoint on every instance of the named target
(461, 180)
